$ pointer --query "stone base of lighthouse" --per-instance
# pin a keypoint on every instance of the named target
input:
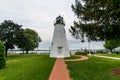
(60, 52)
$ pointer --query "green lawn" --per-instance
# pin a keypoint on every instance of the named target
(27, 67)
(93, 69)
(111, 55)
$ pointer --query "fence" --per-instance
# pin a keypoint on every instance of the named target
(36, 51)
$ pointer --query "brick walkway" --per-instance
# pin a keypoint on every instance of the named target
(59, 71)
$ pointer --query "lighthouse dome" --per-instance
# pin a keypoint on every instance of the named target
(59, 20)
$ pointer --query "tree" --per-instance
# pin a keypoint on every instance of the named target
(112, 44)
(32, 38)
(8, 33)
(2, 55)
(97, 19)
(21, 40)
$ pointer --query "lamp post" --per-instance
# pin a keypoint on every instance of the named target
(89, 54)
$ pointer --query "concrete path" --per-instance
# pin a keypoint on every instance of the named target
(107, 57)
(59, 71)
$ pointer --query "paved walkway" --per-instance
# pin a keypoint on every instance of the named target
(107, 57)
(59, 71)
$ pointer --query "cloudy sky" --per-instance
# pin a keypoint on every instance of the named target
(40, 15)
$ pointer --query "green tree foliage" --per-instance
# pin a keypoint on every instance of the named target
(21, 40)
(32, 38)
(2, 55)
(112, 44)
(97, 19)
(8, 33)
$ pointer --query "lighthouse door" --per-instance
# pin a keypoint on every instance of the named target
(60, 55)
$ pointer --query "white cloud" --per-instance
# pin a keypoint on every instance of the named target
(40, 15)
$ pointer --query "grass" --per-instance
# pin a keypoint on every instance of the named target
(27, 67)
(93, 69)
(73, 57)
(111, 55)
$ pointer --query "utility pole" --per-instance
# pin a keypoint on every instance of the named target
(89, 54)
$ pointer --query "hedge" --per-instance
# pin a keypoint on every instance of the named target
(2, 56)
(81, 53)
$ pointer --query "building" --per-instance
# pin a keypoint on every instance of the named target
(59, 46)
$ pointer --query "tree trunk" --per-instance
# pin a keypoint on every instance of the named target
(22, 51)
(6, 50)
(26, 51)
(111, 50)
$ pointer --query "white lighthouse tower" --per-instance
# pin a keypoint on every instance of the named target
(59, 46)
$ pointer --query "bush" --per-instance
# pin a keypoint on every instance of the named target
(2, 55)
(81, 53)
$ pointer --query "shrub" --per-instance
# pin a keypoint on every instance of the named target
(81, 53)
(100, 51)
(2, 55)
